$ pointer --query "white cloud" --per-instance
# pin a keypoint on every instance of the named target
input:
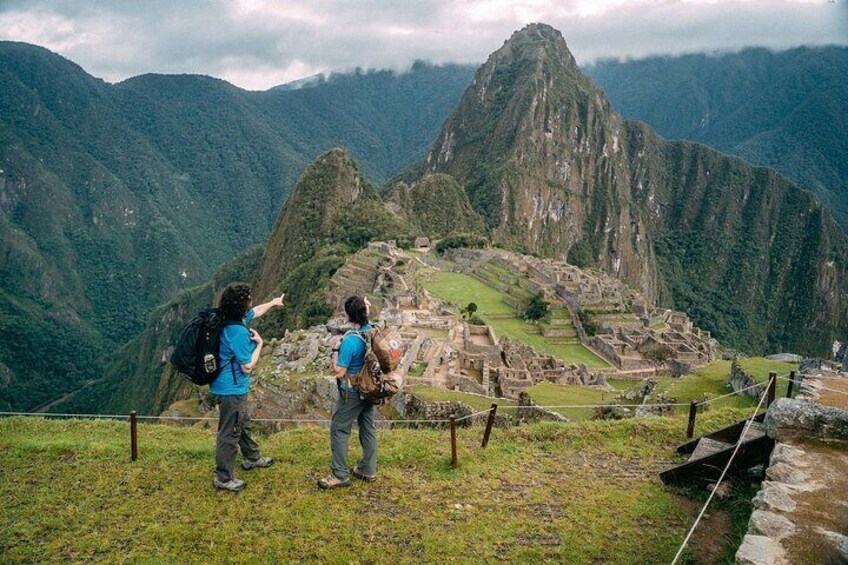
(257, 44)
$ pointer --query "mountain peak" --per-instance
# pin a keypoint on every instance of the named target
(537, 42)
(325, 189)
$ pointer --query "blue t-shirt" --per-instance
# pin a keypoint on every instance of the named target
(352, 355)
(236, 350)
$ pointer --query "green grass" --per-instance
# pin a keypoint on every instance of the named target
(439, 394)
(759, 368)
(574, 493)
(417, 369)
(714, 380)
(549, 394)
(518, 329)
(460, 289)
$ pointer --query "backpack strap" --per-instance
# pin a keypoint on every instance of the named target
(233, 358)
(365, 342)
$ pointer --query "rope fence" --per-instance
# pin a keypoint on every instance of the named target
(820, 387)
(769, 394)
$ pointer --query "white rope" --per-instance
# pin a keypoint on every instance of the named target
(486, 411)
(740, 391)
(819, 387)
(53, 414)
(209, 418)
(595, 405)
(721, 478)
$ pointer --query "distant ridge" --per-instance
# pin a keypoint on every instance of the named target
(787, 110)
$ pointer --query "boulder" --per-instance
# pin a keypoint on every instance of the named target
(787, 474)
(774, 496)
(784, 453)
(789, 419)
(769, 524)
(760, 550)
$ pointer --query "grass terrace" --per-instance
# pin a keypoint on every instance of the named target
(555, 493)
(714, 380)
(460, 289)
(475, 401)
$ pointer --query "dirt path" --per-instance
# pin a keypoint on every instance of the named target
(46, 407)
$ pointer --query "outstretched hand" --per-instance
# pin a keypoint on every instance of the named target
(279, 300)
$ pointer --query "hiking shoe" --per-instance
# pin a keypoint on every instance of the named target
(333, 481)
(359, 475)
(262, 462)
(233, 485)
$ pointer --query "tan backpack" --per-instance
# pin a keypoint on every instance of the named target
(380, 377)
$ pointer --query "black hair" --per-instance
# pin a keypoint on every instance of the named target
(355, 309)
(235, 301)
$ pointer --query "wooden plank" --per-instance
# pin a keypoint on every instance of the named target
(706, 469)
(730, 434)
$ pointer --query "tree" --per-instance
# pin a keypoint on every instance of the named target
(536, 308)
(468, 311)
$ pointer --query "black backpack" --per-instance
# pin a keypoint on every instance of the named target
(197, 351)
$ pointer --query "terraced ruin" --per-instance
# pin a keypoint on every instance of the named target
(597, 327)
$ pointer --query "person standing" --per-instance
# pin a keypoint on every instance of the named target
(239, 354)
(348, 360)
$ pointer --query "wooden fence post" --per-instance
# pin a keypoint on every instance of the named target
(772, 389)
(133, 436)
(693, 411)
(489, 423)
(453, 440)
(791, 384)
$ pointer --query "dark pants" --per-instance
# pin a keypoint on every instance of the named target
(350, 408)
(233, 432)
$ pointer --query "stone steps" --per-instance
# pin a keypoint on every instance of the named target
(563, 341)
(554, 331)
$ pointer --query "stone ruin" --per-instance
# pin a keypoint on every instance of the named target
(629, 333)
(446, 352)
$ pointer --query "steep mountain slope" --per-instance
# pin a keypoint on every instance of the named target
(435, 206)
(114, 197)
(785, 110)
(540, 153)
(556, 172)
(332, 213)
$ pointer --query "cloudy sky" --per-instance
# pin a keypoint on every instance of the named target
(257, 44)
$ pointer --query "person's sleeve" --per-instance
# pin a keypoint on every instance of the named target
(242, 346)
(346, 351)
(249, 317)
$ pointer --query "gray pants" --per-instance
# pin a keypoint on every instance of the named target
(350, 408)
(233, 432)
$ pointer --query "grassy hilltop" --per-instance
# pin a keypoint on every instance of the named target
(573, 493)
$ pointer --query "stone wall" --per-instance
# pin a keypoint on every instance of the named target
(799, 511)
(740, 380)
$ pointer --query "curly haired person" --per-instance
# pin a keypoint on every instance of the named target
(239, 353)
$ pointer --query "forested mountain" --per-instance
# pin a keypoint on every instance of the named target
(787, 110)
(332, 213)
(555, 171)
(114, 197)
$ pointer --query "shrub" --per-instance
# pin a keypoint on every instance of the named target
(461, 240)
